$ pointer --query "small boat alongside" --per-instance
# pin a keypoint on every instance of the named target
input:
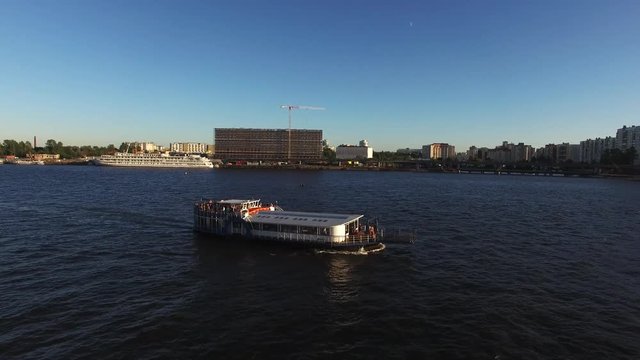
(250, 219)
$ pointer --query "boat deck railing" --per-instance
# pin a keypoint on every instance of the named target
(400, 235)
(361, 238)
(205, 209)
(337, 240)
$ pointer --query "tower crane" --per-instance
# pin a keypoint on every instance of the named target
(296, 107)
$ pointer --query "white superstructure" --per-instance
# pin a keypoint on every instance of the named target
(154, 160)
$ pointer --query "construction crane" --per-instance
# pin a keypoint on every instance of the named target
(296, 107)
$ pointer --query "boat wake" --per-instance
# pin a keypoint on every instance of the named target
(360, 251)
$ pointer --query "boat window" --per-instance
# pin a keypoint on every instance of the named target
(269, 227)
(308, 230)
(289, 228)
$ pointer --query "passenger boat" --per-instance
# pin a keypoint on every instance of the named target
(154, 160)
(250, 219)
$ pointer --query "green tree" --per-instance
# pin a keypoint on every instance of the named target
(50, 146)
(69, 152)
(612, 156)
(23, 149)
(27, 148)
(631, 154)
(386, 156)
(328, 155)
(10, 147)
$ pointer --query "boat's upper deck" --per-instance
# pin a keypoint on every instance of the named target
(236, 201)
(304, 218)
(255, 212)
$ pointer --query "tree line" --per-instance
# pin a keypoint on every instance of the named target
(619, 157)
(24, 149)
(329, 155)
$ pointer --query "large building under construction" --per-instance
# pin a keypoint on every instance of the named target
(237, 144)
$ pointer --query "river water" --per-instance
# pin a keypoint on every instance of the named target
(102, 262)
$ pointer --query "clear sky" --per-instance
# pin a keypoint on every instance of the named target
(397, 73)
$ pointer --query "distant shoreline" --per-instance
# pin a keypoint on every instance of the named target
(302, 167)
(433, 171)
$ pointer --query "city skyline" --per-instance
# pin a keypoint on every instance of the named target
(399, 75)
(327, 142)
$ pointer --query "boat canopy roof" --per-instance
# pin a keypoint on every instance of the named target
(235, 201)
(304, 218)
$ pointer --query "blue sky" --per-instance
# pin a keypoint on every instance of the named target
(397, 73)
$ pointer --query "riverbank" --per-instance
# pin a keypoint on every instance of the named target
(556, 173)
(586, 173)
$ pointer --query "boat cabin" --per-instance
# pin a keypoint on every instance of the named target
(306, 225)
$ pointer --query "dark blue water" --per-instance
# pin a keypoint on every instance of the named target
(102, 262)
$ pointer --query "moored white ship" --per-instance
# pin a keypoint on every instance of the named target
(154, 160)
